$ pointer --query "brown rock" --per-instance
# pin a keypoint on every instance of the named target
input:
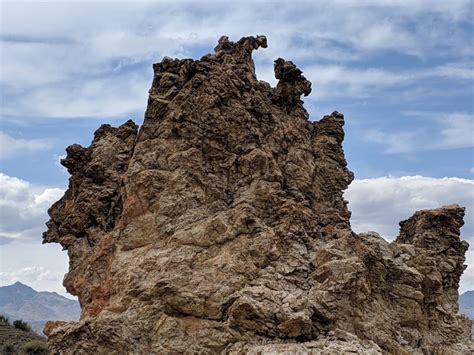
(220, 227)
(50, 326)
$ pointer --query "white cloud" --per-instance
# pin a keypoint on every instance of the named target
(39, 266)
(454, 71)
(344, 81)
(106, 97)
(340, 81)
(458, 130)
(19, 70)
(402, 142)
(29, 274)
(386, 36)
(11, 147)
(378, 204)
(387, 200)
(23, 208)
(99, 44)
(447, 131)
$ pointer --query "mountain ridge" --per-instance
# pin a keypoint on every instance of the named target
(20, 301)
(466, 305)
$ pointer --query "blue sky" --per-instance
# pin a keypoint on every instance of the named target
(400, 71)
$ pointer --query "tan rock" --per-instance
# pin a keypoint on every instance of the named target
(220, 227)
(50, 326)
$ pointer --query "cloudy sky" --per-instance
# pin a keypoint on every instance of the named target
(400, 71)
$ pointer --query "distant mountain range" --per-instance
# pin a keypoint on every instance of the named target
(19, 301)
(466, 305)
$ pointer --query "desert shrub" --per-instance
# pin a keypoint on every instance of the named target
(8, 349)
(35, 347)
(4, 319)
(20, 324)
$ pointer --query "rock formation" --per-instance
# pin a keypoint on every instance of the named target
(219, 226)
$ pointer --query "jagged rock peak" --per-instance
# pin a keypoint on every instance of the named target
(244, 46)
(220, 227)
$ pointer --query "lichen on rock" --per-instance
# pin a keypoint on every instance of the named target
(219, 226)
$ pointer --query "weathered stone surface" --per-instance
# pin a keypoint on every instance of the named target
(220, 227)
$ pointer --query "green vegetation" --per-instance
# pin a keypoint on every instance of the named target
(17, 339)
(22, 325)
(37, 347)
(4, 320)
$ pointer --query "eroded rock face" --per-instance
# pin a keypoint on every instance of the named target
(220, 227)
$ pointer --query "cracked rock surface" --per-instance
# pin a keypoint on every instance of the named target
(219, 226)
